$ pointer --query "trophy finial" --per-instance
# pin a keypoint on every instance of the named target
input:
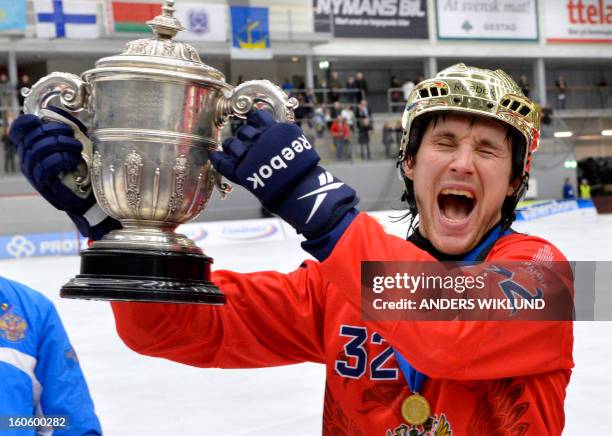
(166, 25)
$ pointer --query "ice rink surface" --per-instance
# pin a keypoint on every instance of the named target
(138, 395)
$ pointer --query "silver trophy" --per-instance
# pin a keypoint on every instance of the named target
(157, 112)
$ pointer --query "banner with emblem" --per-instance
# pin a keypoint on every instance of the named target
(12, 16)
(202, 22)
(250, 33)
(492, 20)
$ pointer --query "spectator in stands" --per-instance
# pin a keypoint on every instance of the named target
(363, 111)
(335, 110)
(387, 139)
(6, 92)
(4, 81)
(561, 86)
(340, 134)
(546, 120)
(363, 138)
(585, 189)
(9, 153)
(396, 95)
(303, 112)
(319, 121)
(407, 88)
(310, 98)
(362, 85)
(349, 116)
(24, 82)
(336, 87)
(322, 95)
(352, 90)
(524, 84)
(568, 190)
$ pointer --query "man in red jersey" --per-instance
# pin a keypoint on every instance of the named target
(469, 135)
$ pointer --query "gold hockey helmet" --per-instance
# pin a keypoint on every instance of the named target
(476, 91)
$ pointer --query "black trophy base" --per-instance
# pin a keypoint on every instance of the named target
(144, 276)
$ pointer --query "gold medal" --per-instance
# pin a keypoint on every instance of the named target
(415, 409)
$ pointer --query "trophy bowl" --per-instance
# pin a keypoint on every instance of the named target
(157, 112)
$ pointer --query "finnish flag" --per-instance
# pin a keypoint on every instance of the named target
(76, 19)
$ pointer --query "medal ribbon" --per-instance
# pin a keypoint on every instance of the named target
(415, 378)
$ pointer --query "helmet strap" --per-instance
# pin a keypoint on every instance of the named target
(510, 204)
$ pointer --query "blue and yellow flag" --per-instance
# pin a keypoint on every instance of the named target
(13, 15)
(250, 33)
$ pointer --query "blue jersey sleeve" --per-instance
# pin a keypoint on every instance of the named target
(321, 246)
(64, 390)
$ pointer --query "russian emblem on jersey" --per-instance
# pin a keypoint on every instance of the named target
(434, 426)
(198, 21)
(12, 327)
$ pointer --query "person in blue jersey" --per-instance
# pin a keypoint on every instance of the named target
(568, 190)
(40, 375)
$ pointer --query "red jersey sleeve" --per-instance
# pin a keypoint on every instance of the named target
(270, 319)
(461, 350)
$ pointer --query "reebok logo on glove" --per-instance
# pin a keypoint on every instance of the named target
(278, 162)
(279, 165)
(326, 180)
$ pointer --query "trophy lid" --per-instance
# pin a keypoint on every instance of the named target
(162, 52)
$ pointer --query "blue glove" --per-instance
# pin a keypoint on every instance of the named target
(279, 166)
(49, 154)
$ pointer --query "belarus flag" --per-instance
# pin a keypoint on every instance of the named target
(66, 19)
(131, 17)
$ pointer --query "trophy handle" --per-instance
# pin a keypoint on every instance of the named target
(73, 94)
(258, 94)
(254, 94)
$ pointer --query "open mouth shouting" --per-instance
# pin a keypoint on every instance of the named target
(455, 206)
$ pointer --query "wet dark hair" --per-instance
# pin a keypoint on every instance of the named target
(517, 143)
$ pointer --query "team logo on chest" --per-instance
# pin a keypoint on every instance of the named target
(12, 327)
(434, 426)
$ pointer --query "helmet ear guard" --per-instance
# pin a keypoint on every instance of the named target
(477, 92)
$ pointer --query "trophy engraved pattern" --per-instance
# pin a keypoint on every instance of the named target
(133, 168)
(96, 170)
(137, 47)
(166, 48)
(155, 192)
(198, 196)
(180, 172)
(111, 191)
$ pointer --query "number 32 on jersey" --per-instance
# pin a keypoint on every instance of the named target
(357, 359)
